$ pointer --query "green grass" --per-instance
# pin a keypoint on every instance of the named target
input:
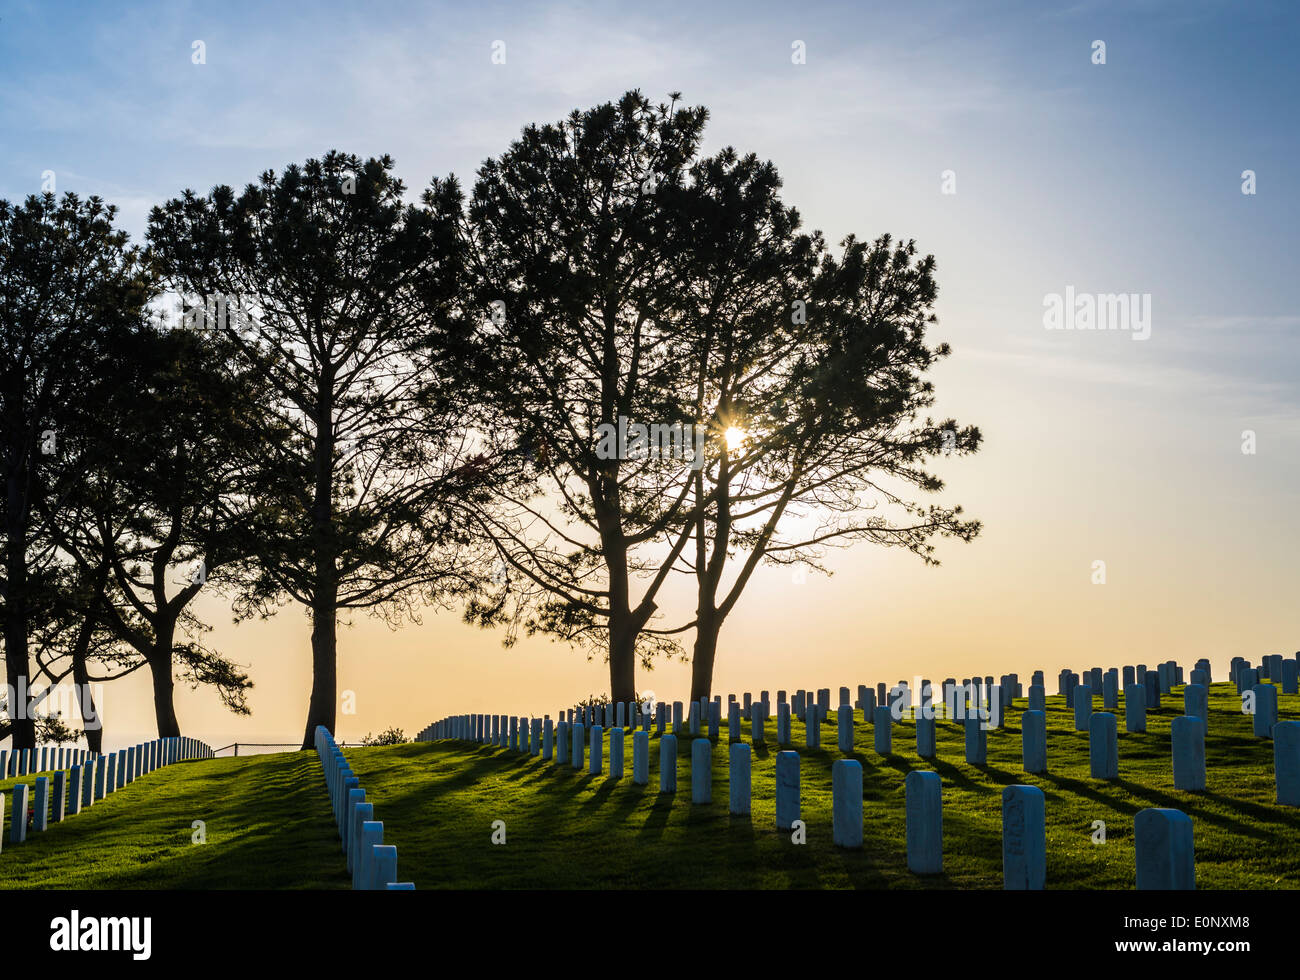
(269, 824)
(566, 829)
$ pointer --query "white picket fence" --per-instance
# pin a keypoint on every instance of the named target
(371, 862)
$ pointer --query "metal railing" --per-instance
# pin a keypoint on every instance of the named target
(283, 746)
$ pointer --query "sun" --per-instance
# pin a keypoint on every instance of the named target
(735, 437)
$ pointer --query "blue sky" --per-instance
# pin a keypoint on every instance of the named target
(1110, 169)
(1122, 177)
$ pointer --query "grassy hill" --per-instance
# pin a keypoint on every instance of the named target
(571, 830)
(269, 823)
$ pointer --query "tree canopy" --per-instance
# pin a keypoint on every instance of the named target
(617, 360)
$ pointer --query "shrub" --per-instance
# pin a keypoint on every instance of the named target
(394, 736)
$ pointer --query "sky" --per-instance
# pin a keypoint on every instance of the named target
(1121, 446)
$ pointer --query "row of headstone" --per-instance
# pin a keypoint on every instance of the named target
(691, 719)
(1139, 682)
(1187, 736)
(1143, 689)
(1163, 837)
(534, 736)
(540, 736)
(1107, 684)
(881, 718)
(574, 741)
(980, 694)
(371, 862)
(1140, 686)
(89, 779)
(43, 758)
(1281, 671)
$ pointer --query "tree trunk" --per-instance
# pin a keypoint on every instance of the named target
(17, 666)
(324, 671)
(707, 622)
(622, 658)
(17, 662)
(702, 658)
(91, 723)
(324, 606)
(160, 665)
(623, 622)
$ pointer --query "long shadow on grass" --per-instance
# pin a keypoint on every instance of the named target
(956, 777)
(633, 797)
(529, 771)
(869, 768)
(470, 775)
(896, 762)
(863, 869)
(1003, 777)
(657, 818)
(1080, 788)
(1256, 811)
(598, 798)
(1160, 799)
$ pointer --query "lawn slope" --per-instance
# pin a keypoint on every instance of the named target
(568, 829)
(267, 821)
